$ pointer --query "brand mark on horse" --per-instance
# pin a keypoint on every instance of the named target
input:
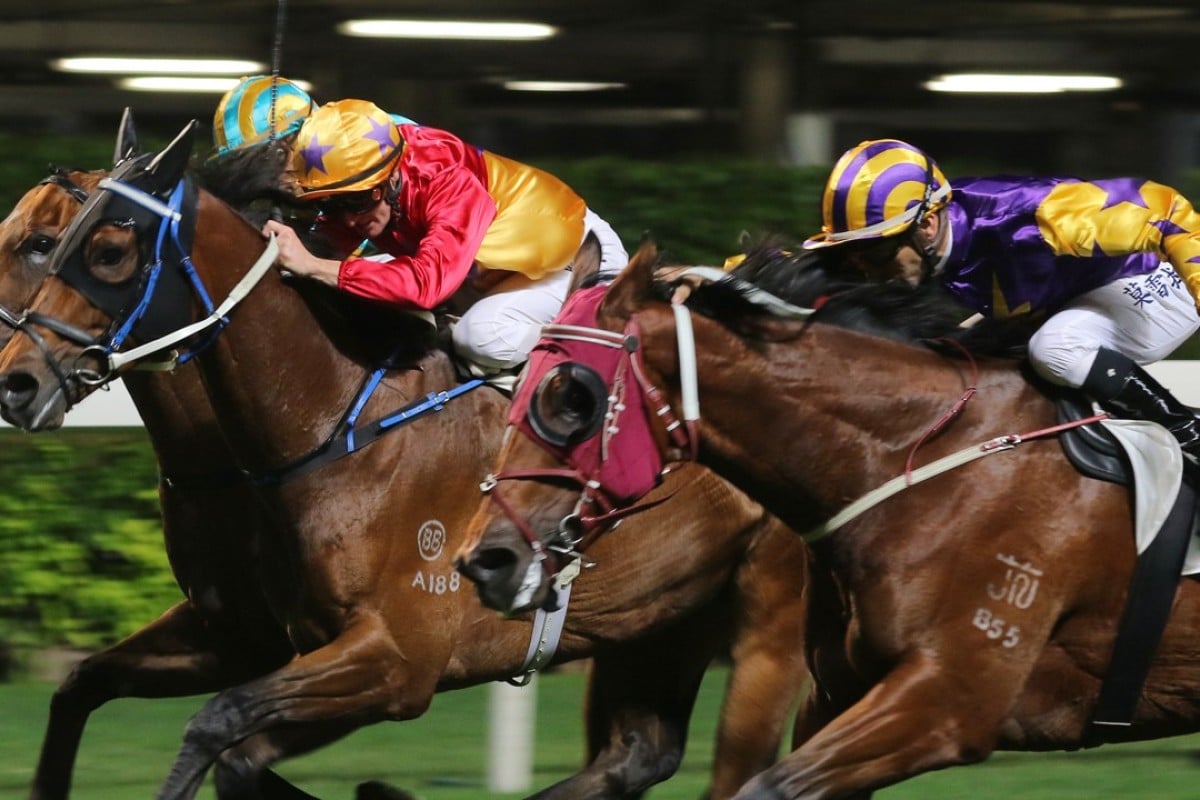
(431, 540)
(1020, 583)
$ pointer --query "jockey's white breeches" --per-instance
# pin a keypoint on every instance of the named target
(1145, 317)
(498, 330)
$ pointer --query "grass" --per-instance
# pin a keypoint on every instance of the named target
(129, 745)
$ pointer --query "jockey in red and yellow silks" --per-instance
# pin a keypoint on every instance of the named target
(441, 210)
(458, 207)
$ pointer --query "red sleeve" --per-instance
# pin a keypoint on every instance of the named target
(457, 211)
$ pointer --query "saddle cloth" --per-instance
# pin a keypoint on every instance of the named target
(1157, 465)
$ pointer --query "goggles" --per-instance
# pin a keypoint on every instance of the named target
(352, 203)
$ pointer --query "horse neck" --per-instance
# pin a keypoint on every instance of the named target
(180, 422)
(277, 382)
(810, 424)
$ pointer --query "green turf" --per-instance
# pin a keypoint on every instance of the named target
(129, 745)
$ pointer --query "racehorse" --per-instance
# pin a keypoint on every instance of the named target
(357, 573)
(970, 612)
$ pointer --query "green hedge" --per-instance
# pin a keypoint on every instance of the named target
(81, 553)
(697, 211)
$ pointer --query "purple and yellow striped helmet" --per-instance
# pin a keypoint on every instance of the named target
(878, 188)
(245, 116)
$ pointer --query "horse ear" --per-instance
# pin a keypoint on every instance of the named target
(586, 262)
(168, 166)
(127, 143)
(631, 288)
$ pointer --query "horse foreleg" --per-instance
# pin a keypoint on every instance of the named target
(357, 679)
(768, 665)
(640, 698)
(909, 723)
(239, 775)
(177, 654)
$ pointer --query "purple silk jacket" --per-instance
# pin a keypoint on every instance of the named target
(1031, 245)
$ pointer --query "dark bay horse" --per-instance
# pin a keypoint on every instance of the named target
(357, 565)
(923, 653)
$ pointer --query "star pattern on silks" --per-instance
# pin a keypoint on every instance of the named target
(1124, 192)
(1168, 228)
(314, 155)
(381, 132)
(1000, 309)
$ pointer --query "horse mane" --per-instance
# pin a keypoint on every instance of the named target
(247, 176)
(820, 279)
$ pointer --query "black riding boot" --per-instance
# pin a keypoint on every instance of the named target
(1121, 386)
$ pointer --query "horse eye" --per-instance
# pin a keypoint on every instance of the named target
(41, 245)
(108, 256)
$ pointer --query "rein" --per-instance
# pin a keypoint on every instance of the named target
(218, 316)
(953, 461)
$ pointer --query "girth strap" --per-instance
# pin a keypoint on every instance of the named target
(1147, 609)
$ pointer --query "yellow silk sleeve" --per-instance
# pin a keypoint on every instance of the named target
(539, 220)
(1077, 219)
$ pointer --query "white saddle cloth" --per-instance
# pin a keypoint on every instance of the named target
(1157, 465)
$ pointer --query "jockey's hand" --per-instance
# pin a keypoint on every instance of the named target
(295, 258)
(684, 284)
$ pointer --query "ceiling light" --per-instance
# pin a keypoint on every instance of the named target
(158, 66)
(995, 83)
(445, 29)
(560, 86)
(175, 83)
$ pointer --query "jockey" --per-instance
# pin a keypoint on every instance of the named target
(445, 212)
(1113, 265)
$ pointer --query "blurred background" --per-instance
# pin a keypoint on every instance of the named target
(696, 122)
(786, 81)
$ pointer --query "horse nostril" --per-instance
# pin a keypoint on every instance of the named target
(486, 564)
(17, 389)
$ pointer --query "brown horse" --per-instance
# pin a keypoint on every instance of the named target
(362, 581)
(923, 657)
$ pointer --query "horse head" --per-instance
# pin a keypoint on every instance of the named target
(100, 278)
(587, 431)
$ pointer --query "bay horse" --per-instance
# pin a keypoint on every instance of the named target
(356, 573)
(924, 654)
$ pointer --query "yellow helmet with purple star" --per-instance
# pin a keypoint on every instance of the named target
(344, 146)
(257, 107)
(879, 188)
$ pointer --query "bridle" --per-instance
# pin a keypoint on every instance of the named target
(600, 505)
(152, 304)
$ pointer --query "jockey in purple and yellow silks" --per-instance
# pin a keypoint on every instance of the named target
(443, 211)
(1113, 265)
